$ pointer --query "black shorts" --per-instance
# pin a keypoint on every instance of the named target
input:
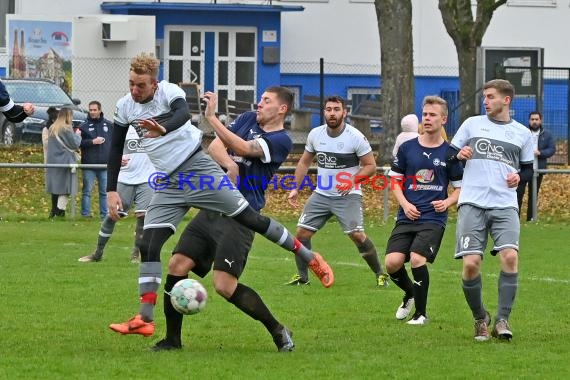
(211, 238)
(423, 239)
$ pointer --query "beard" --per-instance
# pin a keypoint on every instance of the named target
(535, 127)
(334, 124)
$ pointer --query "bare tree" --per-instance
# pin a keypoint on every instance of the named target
(467, 31)
(396, 47)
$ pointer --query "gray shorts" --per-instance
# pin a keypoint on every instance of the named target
(137, 196)
(319, 209)
(475, 224)
(199, 182)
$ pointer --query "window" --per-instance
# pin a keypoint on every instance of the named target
(6, 7)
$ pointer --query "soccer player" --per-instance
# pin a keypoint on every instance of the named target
(498, 153)
(419, 179)
(186, 177)
(211, 238)
(344, 159)
(134, 190)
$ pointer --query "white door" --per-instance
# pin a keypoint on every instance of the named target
(220, 59)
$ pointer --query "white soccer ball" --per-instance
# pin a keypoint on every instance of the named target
(188, 296)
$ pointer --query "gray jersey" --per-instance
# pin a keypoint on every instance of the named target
(498, 149)
(138, 168)
(338, 158)
(165, 152)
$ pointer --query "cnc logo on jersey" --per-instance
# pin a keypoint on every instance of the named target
(490, 150)
(325, 160)
(425, 175)
(134, 146)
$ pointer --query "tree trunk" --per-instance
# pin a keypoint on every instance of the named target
(468, 95)
(396, 47)
(467, 30)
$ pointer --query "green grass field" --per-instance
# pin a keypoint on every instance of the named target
(55, 311)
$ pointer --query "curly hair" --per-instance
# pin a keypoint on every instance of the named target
(145, 64)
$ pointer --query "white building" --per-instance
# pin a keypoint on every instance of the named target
(289, 37)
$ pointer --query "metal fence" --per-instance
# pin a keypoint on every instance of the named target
(105, 79)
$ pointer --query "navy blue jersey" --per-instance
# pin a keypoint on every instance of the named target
(255, 173)
(426, 178)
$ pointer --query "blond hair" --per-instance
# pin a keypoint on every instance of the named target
(503, 87)
(64, 121)
(434, 99)
(145, 64)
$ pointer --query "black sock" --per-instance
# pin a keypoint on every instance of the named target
(173, 317)
(248, 301)
(421, 287)
(402, 281)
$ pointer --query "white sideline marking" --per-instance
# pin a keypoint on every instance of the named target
(454, 273)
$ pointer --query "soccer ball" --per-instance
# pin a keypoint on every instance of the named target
(188, 296)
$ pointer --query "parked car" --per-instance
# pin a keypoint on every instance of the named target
(43, 94)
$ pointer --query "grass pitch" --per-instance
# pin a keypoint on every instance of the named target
(55, 312)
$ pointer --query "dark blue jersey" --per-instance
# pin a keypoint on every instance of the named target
(426, 177)
(256, 173)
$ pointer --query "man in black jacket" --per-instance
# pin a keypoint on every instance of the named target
(544, 148)
(95, 134)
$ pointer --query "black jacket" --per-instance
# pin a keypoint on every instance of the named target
(546, 147)
(91, 129)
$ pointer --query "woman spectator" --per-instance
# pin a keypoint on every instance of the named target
(62, 148)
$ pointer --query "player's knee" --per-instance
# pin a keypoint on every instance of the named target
(224, 283)
(152, 241)
(358, 237)
(304, 234)
(509, 260)
(180, 265)
(417, 260)
(394, 261)
(471, 266)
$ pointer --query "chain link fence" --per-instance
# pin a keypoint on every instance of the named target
(105, 80)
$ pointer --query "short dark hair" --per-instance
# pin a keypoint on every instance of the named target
(96, 103)
(535, 113)
(283, 94)
(335, 99)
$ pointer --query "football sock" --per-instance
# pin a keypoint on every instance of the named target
(421, 287)
(508, 285)
(368, 252)
(273, 231)
(248, 301)
(472, 289)
(402, 281)
(302, 266)
(149, 281)
(107, 227)
(173, 318)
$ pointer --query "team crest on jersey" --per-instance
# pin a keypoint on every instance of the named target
(509, 134)
(340, 145)
(436, 162)
(425, 175)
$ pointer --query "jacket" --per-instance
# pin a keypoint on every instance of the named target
(91, 129)
(546, 147)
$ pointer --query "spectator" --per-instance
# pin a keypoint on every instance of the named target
(95, 132)
(409, 125)
(544, 148)
(52, 116)
(62, 148)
